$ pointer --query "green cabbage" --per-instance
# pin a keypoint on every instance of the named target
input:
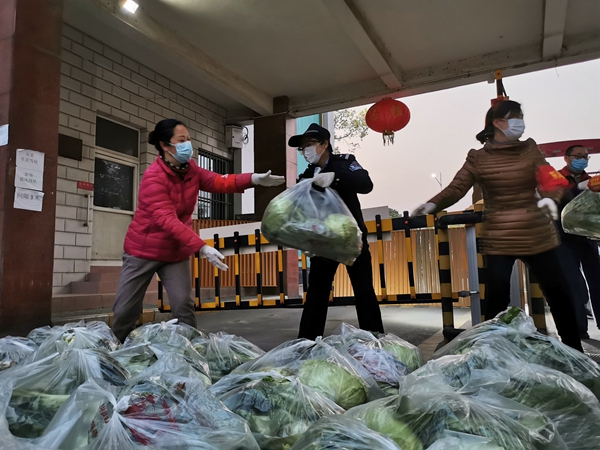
(381, 418)
(333, 381)
(411, 356)
(342, 227)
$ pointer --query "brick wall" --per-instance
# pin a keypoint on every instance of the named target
(98, 80)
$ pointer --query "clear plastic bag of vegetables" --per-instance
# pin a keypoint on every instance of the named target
(318, 365)
(581, 216)
(224, 352)
(162, 332)
(518, 328)
(40, 388)
(136, 358)
(13, 350)
(385, 356)
(279, 409)
(314, 220)
(426, 407)
(496, 365)
(165, 338)
(164, 412)
(80, 335)
(342, 433)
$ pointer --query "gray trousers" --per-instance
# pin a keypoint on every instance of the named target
(135, 277)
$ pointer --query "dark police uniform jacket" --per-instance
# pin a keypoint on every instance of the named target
(350, 180)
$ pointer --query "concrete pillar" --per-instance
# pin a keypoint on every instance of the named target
(30, 46)
(271, 152)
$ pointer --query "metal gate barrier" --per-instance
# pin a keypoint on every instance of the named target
(406, 234)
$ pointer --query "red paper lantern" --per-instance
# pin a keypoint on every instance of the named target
(387, 116)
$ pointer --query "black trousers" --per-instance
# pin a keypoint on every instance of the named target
(322, 273)
(576, 252)
(546, 267)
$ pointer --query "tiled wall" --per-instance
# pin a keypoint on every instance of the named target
(98, 80)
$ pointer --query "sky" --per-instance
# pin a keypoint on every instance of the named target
(558, 104)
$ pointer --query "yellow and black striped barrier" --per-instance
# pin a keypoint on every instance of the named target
(258, 265)
(380, 258)
(538, 309)
(304, 277)
(280, 276)
(196, 264)
(256, 240)
(445, 274)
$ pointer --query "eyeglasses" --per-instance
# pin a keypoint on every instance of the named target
(586, 157)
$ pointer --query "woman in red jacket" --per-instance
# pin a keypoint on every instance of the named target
(160, 238)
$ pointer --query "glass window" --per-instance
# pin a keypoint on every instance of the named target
(116, 137)
(113, 185)
(215, 206)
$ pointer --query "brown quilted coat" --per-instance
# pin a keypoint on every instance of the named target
(512, 222)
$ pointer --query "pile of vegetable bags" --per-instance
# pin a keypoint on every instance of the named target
(499, 366)
(314, 220)
(163, 407)
(498, 386)
(77, 387)
(34, 389)
(427, 408)
(386, 357)
(518, 328)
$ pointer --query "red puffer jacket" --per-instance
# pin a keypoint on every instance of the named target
(161, 229)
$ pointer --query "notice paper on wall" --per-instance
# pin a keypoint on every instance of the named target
(29, 178)
(30, 159)
(28, 199)
(3, 134)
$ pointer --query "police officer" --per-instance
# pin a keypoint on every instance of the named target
(344, 174)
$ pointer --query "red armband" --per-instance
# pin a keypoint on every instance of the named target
(549, 179)
(594, 184)
(225, 183)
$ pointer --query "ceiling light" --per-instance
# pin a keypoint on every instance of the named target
(131, 6)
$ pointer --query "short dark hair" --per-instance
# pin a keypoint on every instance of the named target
(499, 111)
(569, 151)
(163, 132)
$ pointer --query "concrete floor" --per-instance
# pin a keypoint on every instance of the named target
(268, 328)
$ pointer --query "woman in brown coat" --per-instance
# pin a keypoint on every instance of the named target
(516, 223)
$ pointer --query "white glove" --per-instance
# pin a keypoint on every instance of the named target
(324, 179)
(424, 209)
(583, 185)
(266, 179)
(213, 256)
(549, 207)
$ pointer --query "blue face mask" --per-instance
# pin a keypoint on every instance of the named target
(184, 151)
(579, 165)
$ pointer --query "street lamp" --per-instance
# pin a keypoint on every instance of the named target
(434, 176)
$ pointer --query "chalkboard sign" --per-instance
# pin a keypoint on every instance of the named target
(113, 185)
(119, 138)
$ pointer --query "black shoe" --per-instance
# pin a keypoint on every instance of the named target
(584, 335)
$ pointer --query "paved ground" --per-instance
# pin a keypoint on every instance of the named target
(269, 328)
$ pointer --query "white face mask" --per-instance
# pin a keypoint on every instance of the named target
(310, 155)
(516, 128)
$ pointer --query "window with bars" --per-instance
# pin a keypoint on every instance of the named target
(215, 206)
